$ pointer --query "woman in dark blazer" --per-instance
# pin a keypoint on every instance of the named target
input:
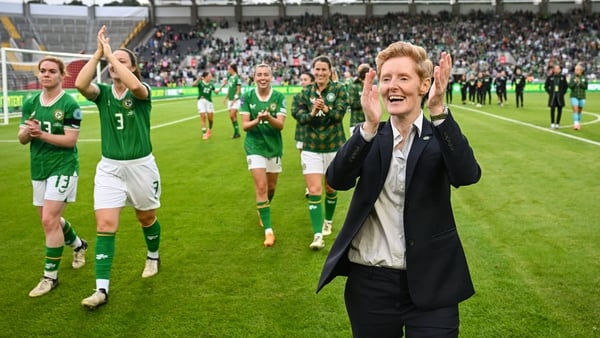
(399, 245)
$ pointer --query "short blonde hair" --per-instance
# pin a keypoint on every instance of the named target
(401, 48)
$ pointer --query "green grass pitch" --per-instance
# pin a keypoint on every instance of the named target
(530, 229)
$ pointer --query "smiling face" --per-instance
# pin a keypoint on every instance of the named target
(50, 74)
(400, 86)
(263, 76)
(322, 72)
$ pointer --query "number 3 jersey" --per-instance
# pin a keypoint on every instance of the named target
(46, 159)
(124, 123)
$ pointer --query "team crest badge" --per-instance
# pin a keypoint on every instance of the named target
(127, 103)
(331, 97)
(273, 107)
(59, 115)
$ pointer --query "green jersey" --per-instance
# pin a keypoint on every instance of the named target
(578, 85)
(324, 131)
(263, 139)
(356, 112)
(55, 117)
(124, 124)
(205, 90)
(300, 128)
(232, 82)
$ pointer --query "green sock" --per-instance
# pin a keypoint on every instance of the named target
(330, 203)
(264, 210)
(315, 210)
(152, 236)
(69, 233)
(105, 251)
(53, 256)
(236, 127)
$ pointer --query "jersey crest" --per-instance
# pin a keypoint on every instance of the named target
(127, 103)
(59, 115)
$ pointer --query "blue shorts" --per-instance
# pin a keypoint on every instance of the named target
(577, 102)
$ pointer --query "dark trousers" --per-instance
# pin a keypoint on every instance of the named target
(519, 96)
(379, 305)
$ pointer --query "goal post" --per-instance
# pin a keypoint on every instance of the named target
(19, 77)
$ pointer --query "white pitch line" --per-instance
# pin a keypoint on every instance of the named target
(548, 130)
(152, 127)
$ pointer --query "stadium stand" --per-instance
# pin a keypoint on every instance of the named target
(172, 53)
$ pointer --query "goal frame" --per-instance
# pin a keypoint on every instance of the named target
(37, 55)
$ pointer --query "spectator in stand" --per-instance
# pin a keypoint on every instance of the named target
(578, 84)
(556, 86)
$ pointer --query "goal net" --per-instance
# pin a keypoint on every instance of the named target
(19, 77)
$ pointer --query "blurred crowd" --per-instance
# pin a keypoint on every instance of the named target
(478, 42)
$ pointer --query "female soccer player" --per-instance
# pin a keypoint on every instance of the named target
(263, 115)
(127, 172)
(578, 85)
(320, 108)
(234, 85)
(354, 92)
(50, 124)
(205, 104)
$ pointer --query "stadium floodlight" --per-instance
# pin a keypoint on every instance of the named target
(19, 75)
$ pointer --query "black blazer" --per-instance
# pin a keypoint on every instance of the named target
(556, 98)
(437, 269)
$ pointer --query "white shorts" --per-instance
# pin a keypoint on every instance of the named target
(55, 188)
(134, 182)
(272, 164)
(235, 104)
(315, 163)
(204, 106)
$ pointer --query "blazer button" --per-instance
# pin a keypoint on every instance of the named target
(411, 243)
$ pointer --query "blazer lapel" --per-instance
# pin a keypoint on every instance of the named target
(386, 145)
(419, 144)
